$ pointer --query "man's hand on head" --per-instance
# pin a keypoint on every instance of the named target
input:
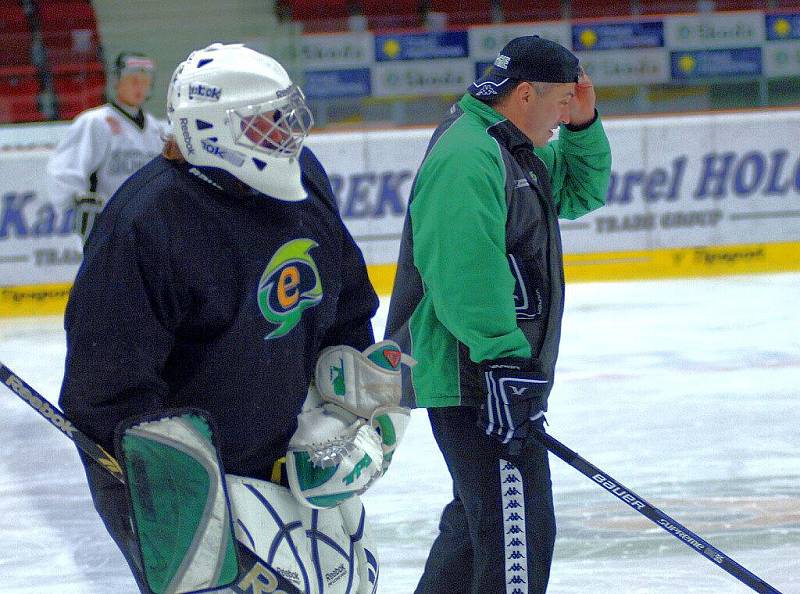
(582, 107)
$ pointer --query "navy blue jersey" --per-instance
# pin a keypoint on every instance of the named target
(190, 295)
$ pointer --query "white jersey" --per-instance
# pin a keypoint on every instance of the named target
(100, 150)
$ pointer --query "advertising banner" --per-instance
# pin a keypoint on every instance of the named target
(486, 41)
(717, 30)
(432, 77)
(617, 35)
(716, 63)
(623, 67)
(697, 181)
(781, 58)
(421, 46)
(36, 242)
(781, 26)
(333, 84)
(335, 50)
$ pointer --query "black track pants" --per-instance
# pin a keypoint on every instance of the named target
(110, 500)
(497, 534)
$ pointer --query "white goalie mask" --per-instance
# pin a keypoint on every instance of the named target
(236, 109)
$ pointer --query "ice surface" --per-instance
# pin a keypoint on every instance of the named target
(686, 391)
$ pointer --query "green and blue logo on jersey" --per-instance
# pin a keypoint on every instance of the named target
(289, 285)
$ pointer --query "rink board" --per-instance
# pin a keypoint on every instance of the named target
(689, 196)
(651, 264)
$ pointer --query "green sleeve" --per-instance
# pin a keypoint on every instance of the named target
(579, 163)
(458, 217)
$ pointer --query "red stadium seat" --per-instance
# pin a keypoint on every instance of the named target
(303, 10)
(21, 80)
(66, 15)
(17, 110)
(529, 11)
(321, 16)
(720, 5)
(19, 95)
(69, 31)
(78, 86)
(464, 13)
(12, 19)
(76, 45)
(584, 9)
(667, 6)
(384, 15)
(16, 48)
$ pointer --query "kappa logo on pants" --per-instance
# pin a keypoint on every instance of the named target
(516, 548)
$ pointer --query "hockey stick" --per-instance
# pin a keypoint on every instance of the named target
(56, 418)
(254, 575)
(624, 494)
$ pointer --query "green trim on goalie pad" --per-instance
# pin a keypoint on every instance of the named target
(362, 464)
(388, 435)
(387, 432)
(308, 475)
(180, 508)
(327, 501)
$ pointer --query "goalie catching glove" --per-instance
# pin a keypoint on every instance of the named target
(350, 424)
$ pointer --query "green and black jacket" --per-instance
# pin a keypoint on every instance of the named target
(480, 273)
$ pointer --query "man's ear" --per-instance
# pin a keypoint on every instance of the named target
(526, 91)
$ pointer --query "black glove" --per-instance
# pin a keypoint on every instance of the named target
(515, 394)
(87, 209)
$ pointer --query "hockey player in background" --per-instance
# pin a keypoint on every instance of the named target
(479, 296)
(103, 146)
(221, 277)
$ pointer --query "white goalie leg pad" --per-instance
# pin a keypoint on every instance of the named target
(361, 382)
(355, 523)
(332, 456)
(319, 551)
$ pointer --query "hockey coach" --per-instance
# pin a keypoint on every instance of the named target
(478, 301)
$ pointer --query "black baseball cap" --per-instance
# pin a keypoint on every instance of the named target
(529, 58)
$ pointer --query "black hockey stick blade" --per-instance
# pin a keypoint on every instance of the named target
(651, 512)
(56, 418)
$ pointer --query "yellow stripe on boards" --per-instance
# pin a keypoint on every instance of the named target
(382, 277)
(652, 264)
(34, 300)
(683, 262)
(715, 260)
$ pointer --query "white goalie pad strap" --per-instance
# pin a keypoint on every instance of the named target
(319, 551)
(390, 423)
(332, 456)
(361, 382)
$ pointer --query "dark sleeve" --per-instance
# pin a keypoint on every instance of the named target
(357, 300)
(120, 322)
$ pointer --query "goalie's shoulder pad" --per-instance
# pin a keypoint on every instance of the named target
(361, 382)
